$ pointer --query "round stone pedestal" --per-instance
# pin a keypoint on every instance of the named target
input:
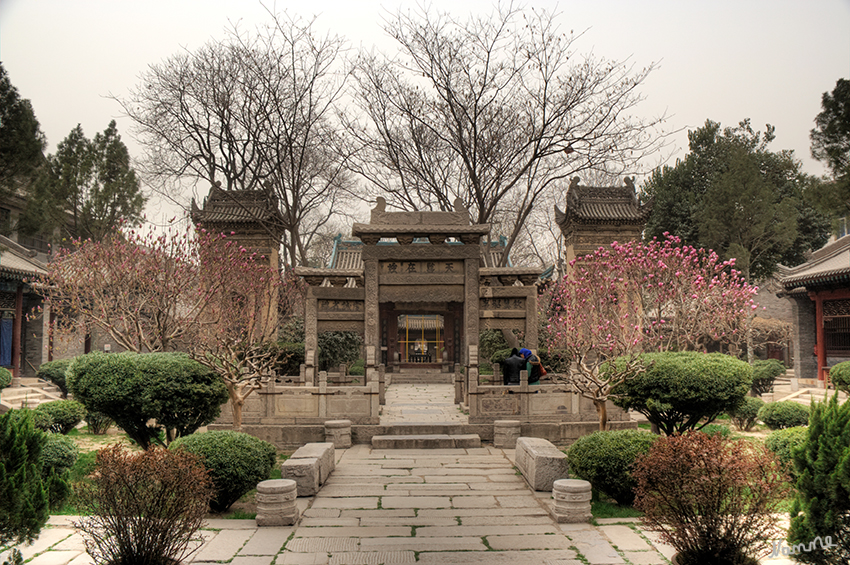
(572, 501)
(276, 503)
(338, 432)
(505, 433)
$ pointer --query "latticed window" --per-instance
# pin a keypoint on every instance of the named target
(836, 326)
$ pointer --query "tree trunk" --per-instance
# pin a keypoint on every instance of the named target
(751, 354)
(236, 409)
(602, 410)
(512, 340)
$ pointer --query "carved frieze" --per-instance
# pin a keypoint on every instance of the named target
(341, 306)
(420, 268)
(515, 303)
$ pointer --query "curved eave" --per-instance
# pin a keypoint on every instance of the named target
(818, 279)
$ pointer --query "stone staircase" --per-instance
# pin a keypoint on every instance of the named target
(426, 436)
(422, 376)
(30, 394)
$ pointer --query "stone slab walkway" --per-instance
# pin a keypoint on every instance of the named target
(389, 507)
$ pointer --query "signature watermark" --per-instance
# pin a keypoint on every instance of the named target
(779, 547)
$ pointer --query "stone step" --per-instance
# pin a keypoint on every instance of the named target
(426, 441)
(423, 378)
(429, 429)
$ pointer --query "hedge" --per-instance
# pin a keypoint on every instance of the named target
(236, 462)
(132, 389)
(64, 415)
(839, 375)
(605, 460)
(784, 414)
(745, 415)
(765, 372)
(5, 378)
(54, 371)
(783, 442)
(679, 391)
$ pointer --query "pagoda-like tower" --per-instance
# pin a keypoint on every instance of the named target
(254, 220)
(597, 216)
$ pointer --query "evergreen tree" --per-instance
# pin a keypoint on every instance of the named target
(831, 145)
(732, 194)
(23, 498)
(822, 503)
(21, 141)
(88, 187)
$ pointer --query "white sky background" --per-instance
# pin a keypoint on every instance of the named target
(769, 60)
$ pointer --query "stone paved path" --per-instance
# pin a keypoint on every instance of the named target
(421, 404)
(452, 506)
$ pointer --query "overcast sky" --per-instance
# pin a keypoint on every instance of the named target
(768, 60)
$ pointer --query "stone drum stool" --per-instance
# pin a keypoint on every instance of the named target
(338, 432)
(505, 433)
(276, 503)
(572, 501)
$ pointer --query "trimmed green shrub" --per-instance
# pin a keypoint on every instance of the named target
(605, 460)
(59, 453)
(500, 355)
(64, 415)
(5, 378)
(839, 375)
(54, 372)
(58, 456)
(98, 423)
(357, 368)
(822, 501)
(555, 360)
(745, 415)
(765, 372)
(41, 419)
(784, 414)
(180, 394)
(289, 359)
(489, 342)
(717, 430)
(236, 462)
(23, 498)
(680, 391)
(783, 442)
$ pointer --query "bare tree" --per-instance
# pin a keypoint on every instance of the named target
(252, 109)
(494, 110)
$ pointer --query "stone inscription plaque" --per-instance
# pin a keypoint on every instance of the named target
(502, 303)
(341, 306)
(421, 267)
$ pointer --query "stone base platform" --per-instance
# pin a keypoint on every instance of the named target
(426, 441)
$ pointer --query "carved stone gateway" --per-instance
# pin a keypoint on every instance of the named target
(417, 289)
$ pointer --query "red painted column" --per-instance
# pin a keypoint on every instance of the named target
(16, 332)
(821, 339)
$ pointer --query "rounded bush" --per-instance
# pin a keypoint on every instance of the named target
(782, 443)
(5, 378)
(54, 371)
(680, 391)
(717, 430)
(178, 393)
(555, 360)
(59, 453)
(500, 355)
(784, 414)
(605, 460)
(839, 375)
(745, 415)
(64, 415)
(357, 368)
(236, 462)
(765, 372)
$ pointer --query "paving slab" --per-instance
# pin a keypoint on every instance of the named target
(55, 557)
(288, 558)
(266, 541)
(355, 531)
(423, 544)
(373, 558)
(224, 546)
(316, 545)
(416, 502)
(532, 557)
(625, 538)
(532, 541)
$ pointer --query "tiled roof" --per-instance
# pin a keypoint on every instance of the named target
(347, 253)
(15, 262)
(606, 204)
(236, 206)
(828, 265)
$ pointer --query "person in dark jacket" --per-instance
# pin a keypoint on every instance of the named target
(532, 365)
(511, 368)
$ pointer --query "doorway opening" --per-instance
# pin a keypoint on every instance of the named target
(420, 338)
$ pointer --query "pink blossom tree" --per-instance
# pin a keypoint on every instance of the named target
(626, 299)
(194, 291)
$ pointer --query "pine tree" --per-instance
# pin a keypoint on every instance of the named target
(822, 504)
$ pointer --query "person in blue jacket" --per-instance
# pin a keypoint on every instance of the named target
(532, 365)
